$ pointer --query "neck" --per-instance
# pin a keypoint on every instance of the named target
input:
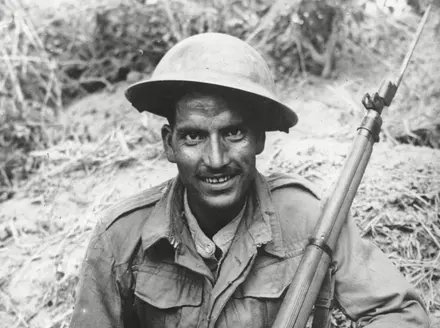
(211, 220)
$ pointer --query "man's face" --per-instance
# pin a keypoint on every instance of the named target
(214, 146)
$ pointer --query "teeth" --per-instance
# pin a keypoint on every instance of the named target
(218, 180)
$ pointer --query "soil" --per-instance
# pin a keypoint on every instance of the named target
(44, 230)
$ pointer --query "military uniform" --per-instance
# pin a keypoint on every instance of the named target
(142, 268)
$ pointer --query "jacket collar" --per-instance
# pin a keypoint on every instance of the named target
(166, 222)
(267, 218)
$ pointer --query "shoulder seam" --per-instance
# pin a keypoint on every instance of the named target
(280, 180)
(137, 201)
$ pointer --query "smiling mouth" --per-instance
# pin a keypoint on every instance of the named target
(218, 180)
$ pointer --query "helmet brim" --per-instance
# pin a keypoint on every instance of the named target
(159, 97)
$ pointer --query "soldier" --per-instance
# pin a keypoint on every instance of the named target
(218, 245)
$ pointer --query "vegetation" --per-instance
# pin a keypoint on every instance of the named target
(53, 140)
(52, 57)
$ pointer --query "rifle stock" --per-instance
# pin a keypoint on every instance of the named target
(301, 295)
(304, 288)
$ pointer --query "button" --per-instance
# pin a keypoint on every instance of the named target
(209, 248)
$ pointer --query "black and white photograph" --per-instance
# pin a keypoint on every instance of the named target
(219, 164)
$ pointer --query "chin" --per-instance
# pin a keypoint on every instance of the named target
(222, 202)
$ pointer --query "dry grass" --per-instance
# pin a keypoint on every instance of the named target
(381, 44)
(397, 205)
(83, 159)
(99, 140)
(109, 154)
(50, 57)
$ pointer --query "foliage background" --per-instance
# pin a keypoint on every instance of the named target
(53, 56)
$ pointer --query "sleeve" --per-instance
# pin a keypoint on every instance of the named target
(370, 289)
(98, 301)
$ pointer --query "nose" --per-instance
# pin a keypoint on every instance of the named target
(216, 154)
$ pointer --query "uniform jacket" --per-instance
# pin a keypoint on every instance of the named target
(142, 270)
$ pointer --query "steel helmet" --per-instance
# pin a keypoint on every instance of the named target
(213, 60)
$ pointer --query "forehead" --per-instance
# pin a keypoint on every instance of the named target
(197, 107)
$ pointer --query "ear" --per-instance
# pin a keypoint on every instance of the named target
(261, 141)
(167, 138)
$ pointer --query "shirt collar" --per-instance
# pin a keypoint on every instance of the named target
(167, 219)
(222, 239)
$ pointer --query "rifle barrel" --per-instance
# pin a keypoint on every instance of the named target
(304, 288)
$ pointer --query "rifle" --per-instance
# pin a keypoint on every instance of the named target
(303, 290)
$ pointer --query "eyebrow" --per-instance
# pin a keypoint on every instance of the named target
(189, 127)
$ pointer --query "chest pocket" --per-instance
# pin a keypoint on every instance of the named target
(167, 296)
(269, 277)
(259, 298)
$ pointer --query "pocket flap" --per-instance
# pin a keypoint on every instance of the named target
(268, 281)
(166, 289)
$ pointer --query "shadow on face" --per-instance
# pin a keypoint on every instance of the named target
(197, 107)
(214, 140)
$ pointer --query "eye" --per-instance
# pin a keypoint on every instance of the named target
(235, 134)
(193, 137)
